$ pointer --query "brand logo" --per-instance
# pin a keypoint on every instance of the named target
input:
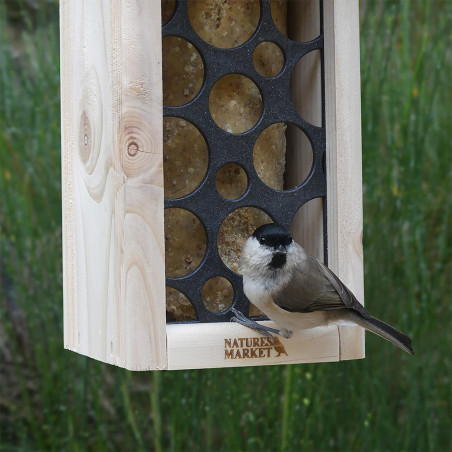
(253, 347)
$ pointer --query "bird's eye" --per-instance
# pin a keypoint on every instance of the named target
(262, 240)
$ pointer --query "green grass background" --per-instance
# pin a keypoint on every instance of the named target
(51, 399)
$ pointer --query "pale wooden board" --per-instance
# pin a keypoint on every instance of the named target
(196, 346)
(306, 88)
(112, 170)
(344, 160)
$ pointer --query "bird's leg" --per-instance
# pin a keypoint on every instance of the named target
(264, 330)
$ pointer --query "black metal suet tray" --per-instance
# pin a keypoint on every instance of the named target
(277, 107)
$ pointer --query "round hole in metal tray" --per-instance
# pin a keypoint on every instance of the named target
(294, 28)
(185, 242)
(178, 306)
(235, 103)
(235, 229)
(227, 25)
(217, 294)
(291, 171)
(182, 71)
(268, 59)
(168, 7)
(231, 181)
(185, 157)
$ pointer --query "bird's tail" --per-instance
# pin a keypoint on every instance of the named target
(384, 330)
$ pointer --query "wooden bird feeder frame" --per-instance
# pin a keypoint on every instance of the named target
(113, 197)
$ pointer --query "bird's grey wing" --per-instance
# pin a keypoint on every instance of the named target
(314, 287)
(308, 289)
(345, 293)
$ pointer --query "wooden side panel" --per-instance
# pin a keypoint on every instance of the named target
(344, 159)
(113, 241)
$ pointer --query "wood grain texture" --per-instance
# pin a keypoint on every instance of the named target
(306, 86)
(344, 158)
(113, 242)
(196, 346)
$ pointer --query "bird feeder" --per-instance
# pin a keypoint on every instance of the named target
(185, 125)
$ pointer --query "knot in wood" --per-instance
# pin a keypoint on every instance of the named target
(85, 138)
(132, 149)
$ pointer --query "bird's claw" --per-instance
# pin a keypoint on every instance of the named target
(239, 315)
(245, 321)
(267, 334)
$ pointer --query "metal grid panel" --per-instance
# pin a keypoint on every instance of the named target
(205, 202)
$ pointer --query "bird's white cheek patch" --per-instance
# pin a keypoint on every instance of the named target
(255, 255)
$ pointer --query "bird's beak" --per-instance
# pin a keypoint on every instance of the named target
(280, 250)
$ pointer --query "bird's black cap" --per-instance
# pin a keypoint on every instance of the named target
(272, 235)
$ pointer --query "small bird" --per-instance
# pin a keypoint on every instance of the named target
(297, 291)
